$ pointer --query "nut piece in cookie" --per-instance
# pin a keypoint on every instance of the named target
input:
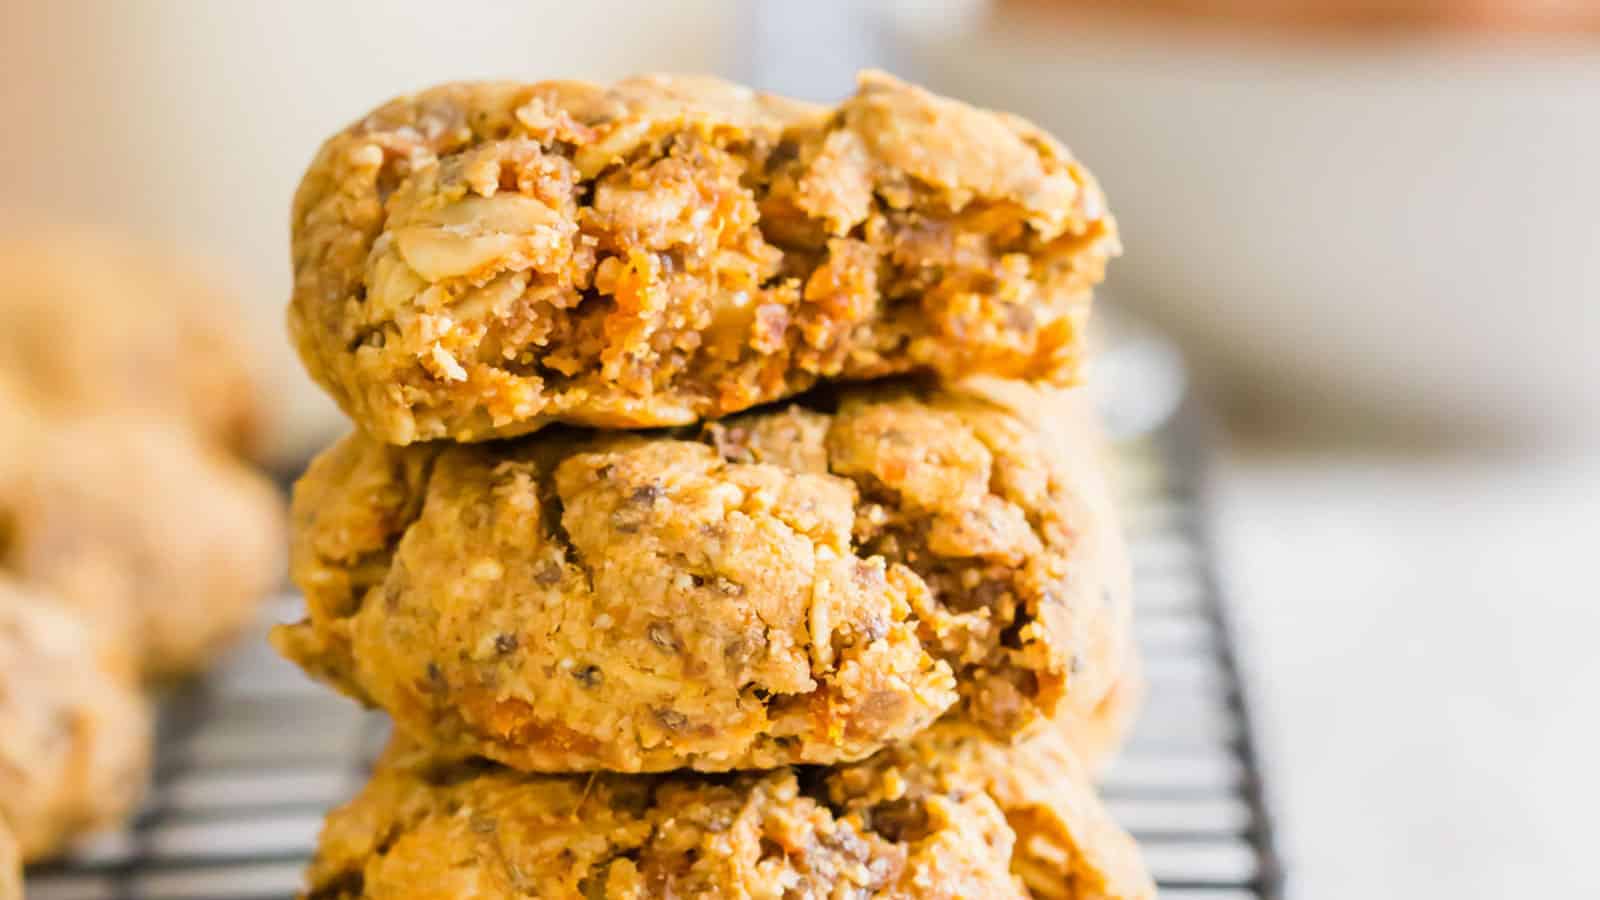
(74, 739)
(943, 817)
(481, 259)
(803, 584)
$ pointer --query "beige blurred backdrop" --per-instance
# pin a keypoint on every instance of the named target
(189, 123)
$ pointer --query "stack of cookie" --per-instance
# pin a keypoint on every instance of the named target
(711, 527)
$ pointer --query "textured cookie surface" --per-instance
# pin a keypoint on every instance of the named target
(167, 544)
(74, 739)
(794, 585)
(479, 260)
(942, 817)
(94, 325)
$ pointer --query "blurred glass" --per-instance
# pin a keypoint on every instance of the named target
(1351, 16)
(1382, 228)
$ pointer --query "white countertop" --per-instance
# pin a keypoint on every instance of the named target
(1424, 638)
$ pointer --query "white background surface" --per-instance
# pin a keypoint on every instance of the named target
(1423, 630)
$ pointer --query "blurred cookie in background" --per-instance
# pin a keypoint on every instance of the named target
(129, 406)
(74, 738)
(136, 539)
(10, 865)
(166, 543)
(95, 324)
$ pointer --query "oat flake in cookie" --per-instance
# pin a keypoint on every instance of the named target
(942, 817)
(800, 584)
(479, 260)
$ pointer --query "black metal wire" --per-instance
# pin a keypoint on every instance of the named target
(1191, 439)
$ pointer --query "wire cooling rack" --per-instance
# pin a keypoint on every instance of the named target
(250, 759)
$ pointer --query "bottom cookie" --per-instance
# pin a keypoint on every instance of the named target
(942, 817)
(74, 740)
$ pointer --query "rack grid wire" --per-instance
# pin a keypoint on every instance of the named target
(250, 758)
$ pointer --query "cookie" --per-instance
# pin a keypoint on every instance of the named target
(74, 739)
(800, 584)
(1097, 735)
(10, 865)
(479, 260)
(943, 817)
(94, 325)
(165, 543)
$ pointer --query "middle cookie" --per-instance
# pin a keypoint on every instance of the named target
(803, 585)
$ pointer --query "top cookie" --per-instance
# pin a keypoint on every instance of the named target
(480, 260)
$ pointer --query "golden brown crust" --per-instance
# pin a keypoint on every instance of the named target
(166, 544)
(479, 260)
(94, 325)
(943, 817)
(1095, 732)
(791, 585)
(1068, 846)
(74, 739)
